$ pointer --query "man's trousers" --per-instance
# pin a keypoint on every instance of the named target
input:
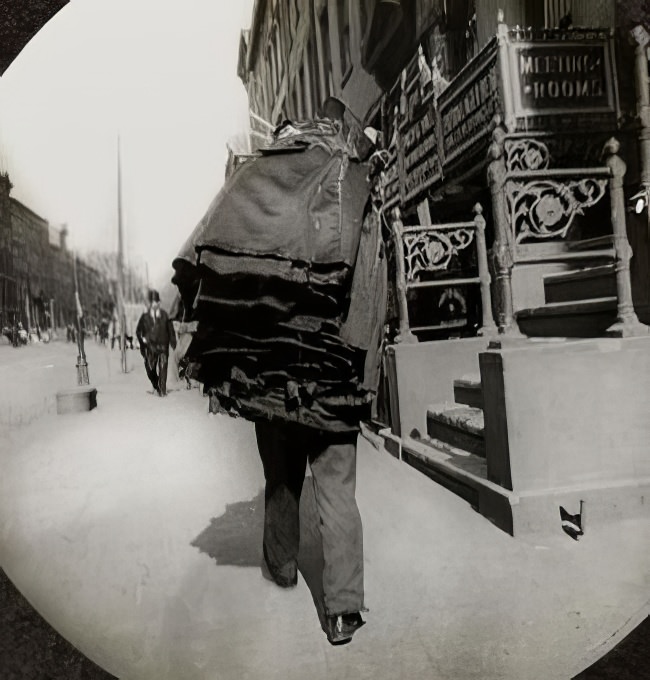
(155, 364)
(285, 449)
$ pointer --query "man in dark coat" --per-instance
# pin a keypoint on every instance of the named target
(155, 333)
(266, 274)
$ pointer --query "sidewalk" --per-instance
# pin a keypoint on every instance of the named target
(32, 374)
(135, 530)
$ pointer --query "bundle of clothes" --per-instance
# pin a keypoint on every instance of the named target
(285, 276)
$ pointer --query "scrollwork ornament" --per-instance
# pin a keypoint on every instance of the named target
(546, 209)
(526, 154)
(433, 251)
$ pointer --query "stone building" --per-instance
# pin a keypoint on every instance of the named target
(515, 137)
(37, 273)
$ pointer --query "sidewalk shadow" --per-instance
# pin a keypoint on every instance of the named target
(235, 539)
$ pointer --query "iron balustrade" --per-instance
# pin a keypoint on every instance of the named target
(534, 203)
(431, 249)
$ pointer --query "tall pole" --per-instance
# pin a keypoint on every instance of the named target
(120, 262)
(82, 365)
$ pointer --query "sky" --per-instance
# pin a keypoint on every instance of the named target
(161, 76)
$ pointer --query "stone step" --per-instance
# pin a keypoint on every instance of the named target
(468, 391)
(456, 470)
(578, 319)
(465, 475)
(603, 242)
(457, 425)
(581, 284)
(594, 251)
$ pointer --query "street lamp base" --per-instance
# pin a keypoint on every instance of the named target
(76, 399)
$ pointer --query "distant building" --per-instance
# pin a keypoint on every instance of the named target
(37, 272)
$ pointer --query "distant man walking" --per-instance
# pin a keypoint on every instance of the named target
(155, 334)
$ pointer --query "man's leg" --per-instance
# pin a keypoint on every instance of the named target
(333, 460)
(150, 368)
(284, 472)
(162, 373)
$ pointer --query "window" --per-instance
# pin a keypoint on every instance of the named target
(317, 96)
(555, 11)
(294, 17)
(275, 43)
(270, 68)
(323, 39)
(343, 16)
(364, 20)
(299, 96)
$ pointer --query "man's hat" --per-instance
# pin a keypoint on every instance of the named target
(153, 296)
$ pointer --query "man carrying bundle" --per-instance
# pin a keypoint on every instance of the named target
(272, 275)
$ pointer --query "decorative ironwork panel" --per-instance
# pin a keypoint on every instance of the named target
(432, 251)
(452, 302)
(546, 208)
(526, 154)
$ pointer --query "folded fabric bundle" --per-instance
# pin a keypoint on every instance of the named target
(268, 274)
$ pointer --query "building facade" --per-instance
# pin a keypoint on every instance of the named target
(515, 137)
(37, 273)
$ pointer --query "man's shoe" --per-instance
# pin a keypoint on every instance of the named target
(341, 627)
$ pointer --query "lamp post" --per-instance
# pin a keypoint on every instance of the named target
(120, 263)
(83, 397)
(82, 364)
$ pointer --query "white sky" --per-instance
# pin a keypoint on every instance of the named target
(162, 73)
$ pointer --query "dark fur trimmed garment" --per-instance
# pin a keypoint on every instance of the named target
(268, 274)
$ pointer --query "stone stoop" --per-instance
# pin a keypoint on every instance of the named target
(574, 319)
(517, 472)
(465, 475)
(459, 425)
(581, 284)
(452, 454)
(468, 391)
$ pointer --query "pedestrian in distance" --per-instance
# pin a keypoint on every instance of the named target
(155, 334)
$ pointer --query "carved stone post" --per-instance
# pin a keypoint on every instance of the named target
(405, 335)
(627, 323)
(501, 251)
(642, 83)
(488, 327)
(505, 79)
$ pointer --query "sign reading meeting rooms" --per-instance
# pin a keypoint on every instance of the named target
(560, 76)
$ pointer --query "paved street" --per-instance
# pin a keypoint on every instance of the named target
(135, 530)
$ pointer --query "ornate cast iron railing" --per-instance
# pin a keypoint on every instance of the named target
(543, 202)
(430, 249)
(526, 98)
(532, 203)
